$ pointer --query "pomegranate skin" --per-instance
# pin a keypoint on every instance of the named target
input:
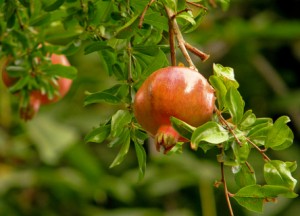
(63, 84)
(36, 97)
(173, 91)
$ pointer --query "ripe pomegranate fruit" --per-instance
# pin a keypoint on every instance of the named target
(36, 97)
(173, 91)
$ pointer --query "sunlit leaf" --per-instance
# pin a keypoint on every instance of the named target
(119, 121)
(210, 132)
(254, 196)
(188, 17)
(226, 74)
(248, 120)
(235, 104)
(258, 133)
(279, 134)
(184, 129)
(277, 172)
(98, 135)
(220, 89)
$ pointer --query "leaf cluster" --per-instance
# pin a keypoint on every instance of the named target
(236, 132)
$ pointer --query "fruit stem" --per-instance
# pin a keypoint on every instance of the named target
(179, 37)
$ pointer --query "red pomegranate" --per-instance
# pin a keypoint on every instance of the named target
(173, 91)
(36, 97)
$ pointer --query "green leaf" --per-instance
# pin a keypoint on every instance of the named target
(184, 129)
(188, 17)
(244, 175)
(112, 95)
(224, 4)
(242, 152)
(96, 46)
(279, 134)
(235, 104)
(259, 133)
(119, 122)
(248, 120)
(210, 132)
(159, 61)
(253, 197)
(60, 70)
(16, 71)
(141, 156)
(147, 50)
(40, 20)
(226, 74)
(124, 149)
(98, 135)
(277, 172)
(127, 26)
(55, 5)
(139, 136)
(157, 20)
(198, 19)
(99, 97)
(25, 3)
(19, 84)
(220, 89)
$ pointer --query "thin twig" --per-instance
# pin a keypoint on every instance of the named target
(258, 149)
(144, 12)
(172, 44)
(221, 118)
(203, 56)
(227, 194)
(182, 11)
(197, 5)
(213, 3)
(249, 167)
(129, 78)
(179, 38)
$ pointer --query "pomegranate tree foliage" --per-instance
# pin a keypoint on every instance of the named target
(131, 38)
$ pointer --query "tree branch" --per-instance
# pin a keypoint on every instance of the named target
(179, 37)
(144, 12)
(227, 194)
(203, 56)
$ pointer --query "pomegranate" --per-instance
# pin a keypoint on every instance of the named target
(173, 91)
(36, 97)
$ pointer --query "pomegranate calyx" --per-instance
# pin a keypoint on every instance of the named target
(166, 138)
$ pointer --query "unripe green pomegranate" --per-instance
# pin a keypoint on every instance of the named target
(173, 91)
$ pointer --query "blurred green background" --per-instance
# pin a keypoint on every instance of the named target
(46, 168)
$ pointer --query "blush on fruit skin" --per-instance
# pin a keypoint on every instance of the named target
(63, 84)
(36, 97)
(173, 91)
